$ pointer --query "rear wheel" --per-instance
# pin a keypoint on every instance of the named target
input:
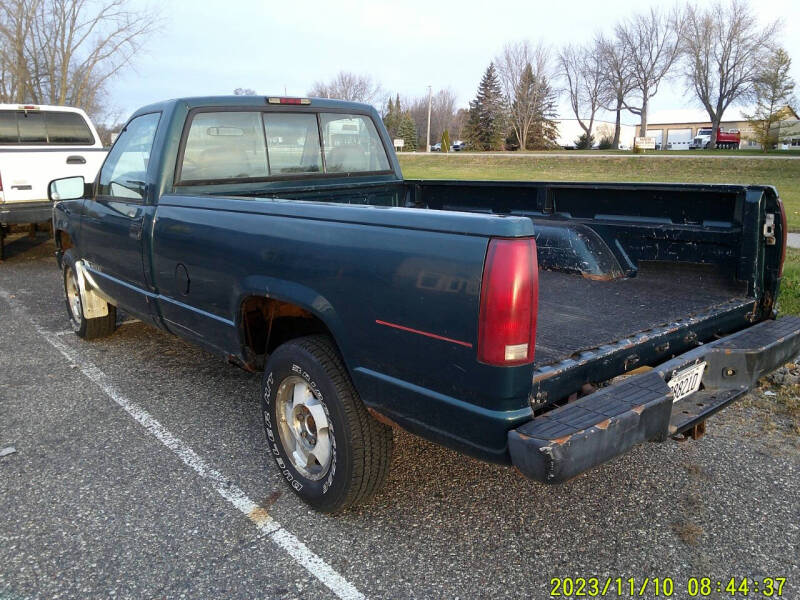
(326, 445)
(87, 329)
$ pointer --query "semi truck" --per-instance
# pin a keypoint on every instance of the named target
(726, 140)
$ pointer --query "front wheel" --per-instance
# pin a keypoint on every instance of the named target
(87, 329)
(326, 445)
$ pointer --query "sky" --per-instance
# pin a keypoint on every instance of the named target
(207, 47)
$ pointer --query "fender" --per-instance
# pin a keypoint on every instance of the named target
(300, 295)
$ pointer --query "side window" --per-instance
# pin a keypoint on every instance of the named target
(124, 172)
(9, 133)
(68, 128)
(32, 129)
(352, 144)
(224, 145)
(293, 143)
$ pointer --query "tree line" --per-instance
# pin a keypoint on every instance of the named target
(719, 53)
(69, 51)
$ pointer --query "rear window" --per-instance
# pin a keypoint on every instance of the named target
(226, 145)
(352, 144)
(44, 127)
(235, 145)
(293, 142)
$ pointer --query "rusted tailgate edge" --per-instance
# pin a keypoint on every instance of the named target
(569, 440)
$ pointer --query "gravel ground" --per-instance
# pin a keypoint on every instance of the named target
(93, 505)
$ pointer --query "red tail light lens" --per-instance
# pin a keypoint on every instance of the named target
(509, 302)
(784, 235)
(288, 100)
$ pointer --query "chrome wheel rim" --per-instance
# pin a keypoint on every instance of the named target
(304, 428)
(73, 295)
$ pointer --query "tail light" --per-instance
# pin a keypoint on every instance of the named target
(509, 302)
(784, 235)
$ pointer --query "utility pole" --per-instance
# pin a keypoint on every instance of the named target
(430, 97)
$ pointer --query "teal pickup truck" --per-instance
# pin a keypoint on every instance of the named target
(548, 326)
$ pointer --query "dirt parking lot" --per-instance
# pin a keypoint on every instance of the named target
(140, 470)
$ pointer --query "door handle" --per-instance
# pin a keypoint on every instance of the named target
(76, 160)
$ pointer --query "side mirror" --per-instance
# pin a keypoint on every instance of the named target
(66, 188)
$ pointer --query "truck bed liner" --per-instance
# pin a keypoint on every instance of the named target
(577, 314)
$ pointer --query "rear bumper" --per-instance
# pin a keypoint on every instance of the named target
(565, 442)
(14, 213)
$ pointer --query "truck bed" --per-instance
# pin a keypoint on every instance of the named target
(576, 313)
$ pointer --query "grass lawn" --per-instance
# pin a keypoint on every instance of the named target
(784, 174)
(747, 152)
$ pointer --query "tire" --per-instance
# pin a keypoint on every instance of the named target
(88, 329)
(305, 378)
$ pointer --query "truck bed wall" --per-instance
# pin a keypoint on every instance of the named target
(603, 231)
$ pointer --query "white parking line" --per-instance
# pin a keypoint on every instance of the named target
(232, 493)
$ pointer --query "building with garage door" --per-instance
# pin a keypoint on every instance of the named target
(569, 131)
(675, 129)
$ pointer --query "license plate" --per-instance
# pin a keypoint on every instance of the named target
(687, 381)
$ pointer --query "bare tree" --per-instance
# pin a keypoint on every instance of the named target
(16, 24)
(651, 41)
(348, 86)
(723, 48)
(443, 109)
(244, 92)
(617, 79)
(67, 51)
(774, 93)
(459, 124)
(582, 68)
(524, 71)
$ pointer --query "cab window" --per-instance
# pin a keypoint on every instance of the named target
(44, 127)
(224, 145)
(293, 143)
(124, 172)
(352, 144)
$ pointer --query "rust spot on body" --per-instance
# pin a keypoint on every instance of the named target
(603, 424)
(380, 417)
(638, 409)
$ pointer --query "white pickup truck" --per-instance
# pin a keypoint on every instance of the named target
(38, 144)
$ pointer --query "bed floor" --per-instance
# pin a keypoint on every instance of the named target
(578, 314)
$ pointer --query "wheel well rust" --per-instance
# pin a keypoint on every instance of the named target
(266, 323)
(63, 241)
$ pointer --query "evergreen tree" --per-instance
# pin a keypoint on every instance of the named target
(407, 130)
(390, 120)
(486, 126)
(543, 133)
